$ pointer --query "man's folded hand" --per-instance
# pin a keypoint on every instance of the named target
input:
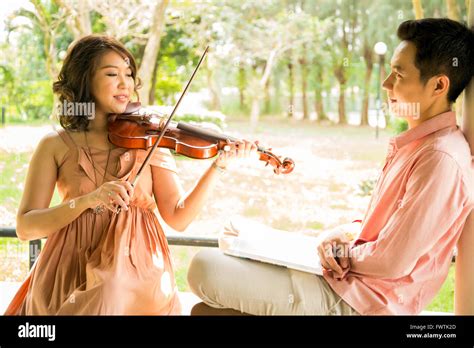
(334, 249)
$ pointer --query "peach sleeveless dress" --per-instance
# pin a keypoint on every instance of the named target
(110, 264)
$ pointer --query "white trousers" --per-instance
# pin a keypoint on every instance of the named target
(257, 288)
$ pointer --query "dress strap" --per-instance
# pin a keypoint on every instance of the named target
(66, 137)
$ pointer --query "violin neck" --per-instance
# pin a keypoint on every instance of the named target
(210, 134)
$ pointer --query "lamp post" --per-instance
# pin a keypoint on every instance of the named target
(380, 49)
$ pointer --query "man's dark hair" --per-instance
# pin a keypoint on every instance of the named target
(443, 46)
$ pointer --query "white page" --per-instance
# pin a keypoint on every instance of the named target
(249, 239)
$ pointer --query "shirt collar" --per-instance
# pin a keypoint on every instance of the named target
(434, 124)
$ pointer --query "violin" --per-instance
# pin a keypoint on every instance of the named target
(136, 129)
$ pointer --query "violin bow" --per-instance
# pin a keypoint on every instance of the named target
(165, 127)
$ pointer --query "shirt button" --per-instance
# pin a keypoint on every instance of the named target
(400, 203)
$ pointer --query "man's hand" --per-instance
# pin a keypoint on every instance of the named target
(334, 250)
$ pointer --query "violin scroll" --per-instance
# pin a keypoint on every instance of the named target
(284, 166)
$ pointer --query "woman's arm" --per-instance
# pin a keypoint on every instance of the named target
(176, 207)
(179, 209)
(34, 219)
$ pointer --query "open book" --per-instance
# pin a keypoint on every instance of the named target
(249, 239)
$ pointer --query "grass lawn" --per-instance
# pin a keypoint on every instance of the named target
(444, 301)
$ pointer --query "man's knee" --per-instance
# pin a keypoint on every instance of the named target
(199, 273)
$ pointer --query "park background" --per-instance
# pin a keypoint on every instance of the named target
(300, 76)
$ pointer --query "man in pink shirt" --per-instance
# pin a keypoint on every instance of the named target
(400, 255)
(425, 191)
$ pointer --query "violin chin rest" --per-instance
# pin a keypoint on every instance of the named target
(132, 108)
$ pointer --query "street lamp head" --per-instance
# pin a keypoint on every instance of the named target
(380, 48)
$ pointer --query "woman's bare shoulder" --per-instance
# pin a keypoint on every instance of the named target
(54, 145)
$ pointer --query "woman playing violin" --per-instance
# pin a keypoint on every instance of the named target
(96, 261)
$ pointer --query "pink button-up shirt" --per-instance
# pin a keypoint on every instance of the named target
(415, 218)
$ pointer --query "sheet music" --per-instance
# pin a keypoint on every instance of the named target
(249, 239)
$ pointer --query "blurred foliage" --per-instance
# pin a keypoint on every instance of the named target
(40, 103)
(208, 118)
(174, 57)
(367, 186)
(310, 35)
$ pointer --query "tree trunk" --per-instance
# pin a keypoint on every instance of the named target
(258, 94)
(453, 11)
(304, 83)
(318, 98)
(382, 77)
(342, 104)
(291, 104)
(49, 48)
(78, 21)
(213, 89)
(340, 74)
(304, 88)
(153, 84)
(318, 105)
(211, 84)
(418, 9)
(82, 19)
(241, 83)
(368, 57)
(291, 85)
(151, 51)
(267, 97)
(255, 111)
(364, 117)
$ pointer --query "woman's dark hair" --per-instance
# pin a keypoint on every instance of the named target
(80, 64)
(443, 46)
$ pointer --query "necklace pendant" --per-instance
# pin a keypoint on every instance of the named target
(99, 209)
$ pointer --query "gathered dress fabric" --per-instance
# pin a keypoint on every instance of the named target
(103, 264)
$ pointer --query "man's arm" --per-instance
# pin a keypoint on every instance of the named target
(434, 198)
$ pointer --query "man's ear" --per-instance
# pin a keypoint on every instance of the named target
(441, 83)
